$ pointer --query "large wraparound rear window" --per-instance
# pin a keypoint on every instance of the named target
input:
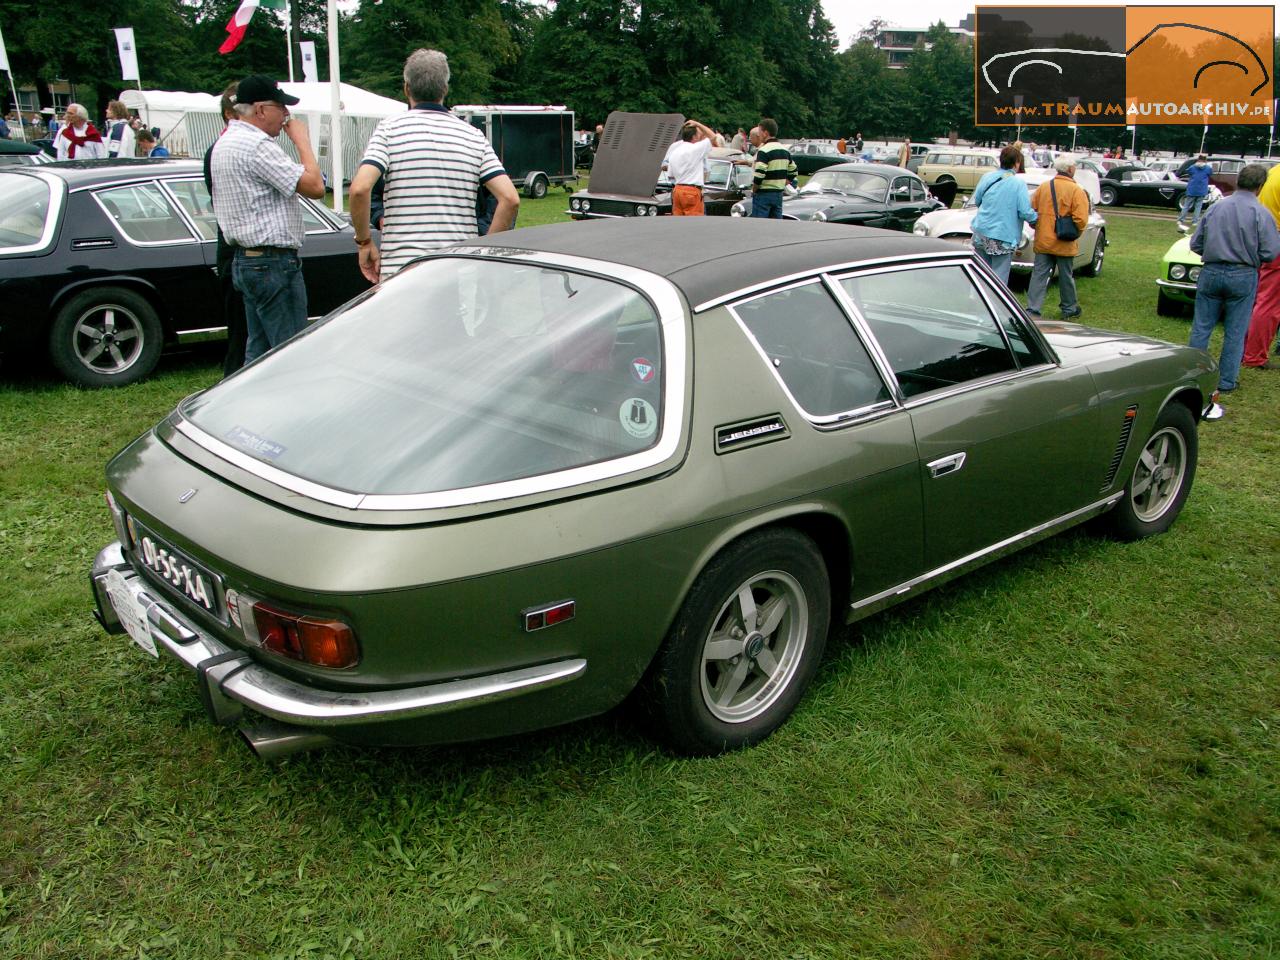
(457, 373)
(25, 210)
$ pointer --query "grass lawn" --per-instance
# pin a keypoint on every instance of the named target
(1071, 753)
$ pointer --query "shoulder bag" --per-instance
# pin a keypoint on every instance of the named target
(1064, 227)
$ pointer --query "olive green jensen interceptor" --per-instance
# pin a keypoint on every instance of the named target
(538, 473)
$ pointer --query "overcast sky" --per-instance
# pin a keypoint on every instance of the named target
(849, 17)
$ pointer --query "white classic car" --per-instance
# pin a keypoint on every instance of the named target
(957, 226)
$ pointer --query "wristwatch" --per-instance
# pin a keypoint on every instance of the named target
(365, 242)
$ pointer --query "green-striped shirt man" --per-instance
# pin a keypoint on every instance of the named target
(774, 166)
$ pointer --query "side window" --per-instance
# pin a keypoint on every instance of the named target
(144, 213)
(813, 348)
(918, 192)
(311, 221)
(932, 326)
(193, 197)
(1025, 347)
(901, 188)
(717, 174)
(742, 176)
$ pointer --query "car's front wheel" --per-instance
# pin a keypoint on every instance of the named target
(105, 337)
(743, 647)
(1161, 477)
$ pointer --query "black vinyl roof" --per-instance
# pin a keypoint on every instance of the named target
(91, 173)
(710, 257)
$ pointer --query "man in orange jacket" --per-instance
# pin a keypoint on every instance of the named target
(1050, 250)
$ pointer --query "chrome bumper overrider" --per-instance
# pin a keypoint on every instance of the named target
(230, 679)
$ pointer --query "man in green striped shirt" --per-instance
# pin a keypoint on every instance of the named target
(774, 170)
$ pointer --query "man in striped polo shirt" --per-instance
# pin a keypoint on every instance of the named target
(433, 165)
(774, 170)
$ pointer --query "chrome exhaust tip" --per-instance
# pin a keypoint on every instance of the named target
(275, 741)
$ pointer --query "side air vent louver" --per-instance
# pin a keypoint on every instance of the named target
(1122, 445)
(749, 433)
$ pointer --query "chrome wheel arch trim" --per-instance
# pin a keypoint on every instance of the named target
(673, 322)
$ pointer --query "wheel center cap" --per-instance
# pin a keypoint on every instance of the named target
(753, 645)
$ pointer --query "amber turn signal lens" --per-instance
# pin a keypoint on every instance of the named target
(323, 643)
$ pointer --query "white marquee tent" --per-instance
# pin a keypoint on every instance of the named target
(190, 122)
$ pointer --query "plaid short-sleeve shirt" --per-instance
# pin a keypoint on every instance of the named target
(254, 186)
(433, 164)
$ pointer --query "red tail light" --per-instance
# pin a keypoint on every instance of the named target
(324, 643)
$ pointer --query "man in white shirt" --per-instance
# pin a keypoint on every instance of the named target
(78, 139)
(686, 162)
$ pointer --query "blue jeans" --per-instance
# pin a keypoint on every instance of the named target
(1002, 263)
(1226, 291)
(767, 205)
(1039, 285)
(275, 298)
(1185, 203)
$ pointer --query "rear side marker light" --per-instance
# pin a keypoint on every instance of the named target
(539, 618)
(323, 643)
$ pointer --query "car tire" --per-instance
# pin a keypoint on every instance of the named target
(105, 337)
(1108, 197)
(744, 646)
(1161, 478)
(1094, 267)
(1166, 306)
(538, 188)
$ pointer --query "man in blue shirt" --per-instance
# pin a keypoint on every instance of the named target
(1197, 189)
(1236, 236)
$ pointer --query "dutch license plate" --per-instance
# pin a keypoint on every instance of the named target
(132, 616)
(181, 573)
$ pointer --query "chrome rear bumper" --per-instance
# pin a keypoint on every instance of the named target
(230, 680)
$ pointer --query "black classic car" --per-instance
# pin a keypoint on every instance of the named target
(18, 153)
(865, 194)
(111, 260)
(1137, 184)
(812, 156)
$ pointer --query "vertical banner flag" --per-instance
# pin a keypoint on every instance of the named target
(309, 72)
(239, 21)
(128, 54)
(4, 57)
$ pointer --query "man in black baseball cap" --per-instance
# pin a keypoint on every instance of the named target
(254, 187)
(260, 89)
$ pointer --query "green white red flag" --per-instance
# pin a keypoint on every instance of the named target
(239, 21)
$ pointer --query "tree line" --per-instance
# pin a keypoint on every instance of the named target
(725, 63)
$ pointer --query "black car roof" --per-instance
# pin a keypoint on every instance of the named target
(18, 146)
(91, 173)
(711, 257)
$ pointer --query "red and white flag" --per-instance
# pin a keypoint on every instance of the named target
(239, 21)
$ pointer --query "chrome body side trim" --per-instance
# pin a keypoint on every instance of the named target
(236, 676)
(878, 601)
(203, 333)
(672, 320)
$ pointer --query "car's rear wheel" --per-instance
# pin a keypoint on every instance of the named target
(1107, 196)
(743, 647)
(1094, 268)
(1161, 477)
(105, 337)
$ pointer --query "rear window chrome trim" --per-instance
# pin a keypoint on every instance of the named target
(57, 198)
(672, 320)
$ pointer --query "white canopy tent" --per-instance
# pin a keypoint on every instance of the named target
(190, 122)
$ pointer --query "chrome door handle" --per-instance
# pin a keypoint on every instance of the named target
(945, 465)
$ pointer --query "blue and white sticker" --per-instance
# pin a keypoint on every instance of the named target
(643, 369)
(259, 446)
(638, 418)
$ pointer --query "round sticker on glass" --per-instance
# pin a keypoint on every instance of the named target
(643, 370)
(638, 418)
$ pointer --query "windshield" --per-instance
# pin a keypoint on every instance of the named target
(24, 207)
(870, 186)
(457, 373)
